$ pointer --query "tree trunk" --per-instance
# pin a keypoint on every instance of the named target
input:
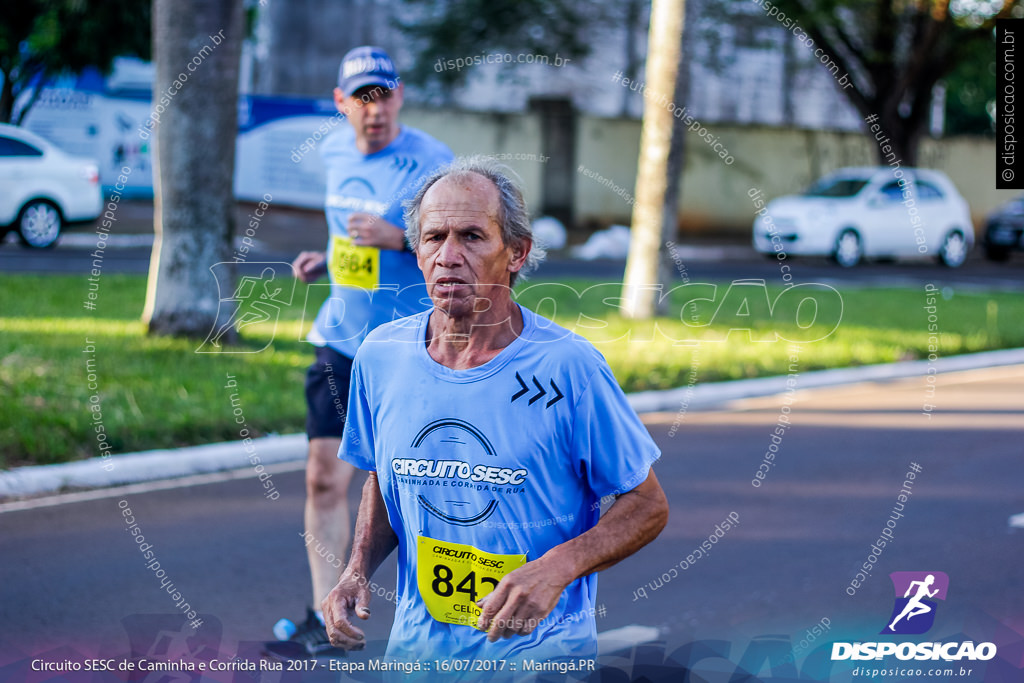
(902, 133)
(790, 71)
(633, 10)
(194, 150)
(896, 135)
(660, 164)
(37, 92)
(6, 97)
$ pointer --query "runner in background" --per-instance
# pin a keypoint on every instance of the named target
(372, 166)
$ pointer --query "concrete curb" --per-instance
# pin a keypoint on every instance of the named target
(133, 468)
(708, 395)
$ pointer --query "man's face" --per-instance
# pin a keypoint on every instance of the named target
(464, 261)
(373, 112)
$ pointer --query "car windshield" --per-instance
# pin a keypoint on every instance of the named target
(835, 187)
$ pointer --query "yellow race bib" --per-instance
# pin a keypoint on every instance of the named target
(354, 266)
(452, 577)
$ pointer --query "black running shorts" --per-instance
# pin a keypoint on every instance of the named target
(327, 381)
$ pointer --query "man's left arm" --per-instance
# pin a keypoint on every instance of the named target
(525, 596)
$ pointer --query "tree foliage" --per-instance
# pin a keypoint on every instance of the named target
(971, 92)
(896, 51)
(40, 39)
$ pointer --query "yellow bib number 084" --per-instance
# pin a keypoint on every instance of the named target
(453, 576)
(354, 266)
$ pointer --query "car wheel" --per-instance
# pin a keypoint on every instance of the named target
(997, 253)
(39, 224)
(848, 251)
(953, 252)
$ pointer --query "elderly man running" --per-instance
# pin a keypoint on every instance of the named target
(490, 435)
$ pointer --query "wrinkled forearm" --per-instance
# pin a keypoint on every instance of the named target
(374, 539)
(634, 520)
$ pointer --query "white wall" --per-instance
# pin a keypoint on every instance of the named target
(776, 160)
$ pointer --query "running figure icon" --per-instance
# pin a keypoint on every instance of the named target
(914, 606)
(252, 309)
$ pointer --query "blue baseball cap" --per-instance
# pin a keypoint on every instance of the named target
(366, 65)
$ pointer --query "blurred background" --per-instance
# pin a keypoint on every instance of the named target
(753, 82)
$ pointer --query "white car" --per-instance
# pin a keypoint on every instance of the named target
(42, 189)
(869, 212)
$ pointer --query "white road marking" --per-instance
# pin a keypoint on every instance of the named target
(626, 637)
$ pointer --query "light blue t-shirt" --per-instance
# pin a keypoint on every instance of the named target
(510, 458)
(377, 184)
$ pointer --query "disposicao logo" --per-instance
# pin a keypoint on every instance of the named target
(913, 613)
(914, 610)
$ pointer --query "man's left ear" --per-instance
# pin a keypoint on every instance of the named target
(520, 250)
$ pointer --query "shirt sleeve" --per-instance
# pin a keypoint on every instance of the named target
(357, 445)
(612, 449)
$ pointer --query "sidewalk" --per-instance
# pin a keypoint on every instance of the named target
(134, 468)
(281, 230)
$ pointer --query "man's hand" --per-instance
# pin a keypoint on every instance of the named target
(310, 266)
(367, 230)
(525, 596)
(350, 596)
(521, 600)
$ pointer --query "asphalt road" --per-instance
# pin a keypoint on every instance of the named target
(707, 266)
(75, 584)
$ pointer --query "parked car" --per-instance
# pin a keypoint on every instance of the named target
(868, 212)
(1004, 230)
(43, 189)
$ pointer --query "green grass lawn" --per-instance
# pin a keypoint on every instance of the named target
(157, 392)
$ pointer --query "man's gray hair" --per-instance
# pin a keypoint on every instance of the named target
(513, 218)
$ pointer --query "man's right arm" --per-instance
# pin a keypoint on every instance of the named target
(374, 540)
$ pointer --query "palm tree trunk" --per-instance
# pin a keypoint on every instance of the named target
(660, 164)
(197, 47)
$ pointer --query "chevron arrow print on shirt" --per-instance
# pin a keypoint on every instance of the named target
(541, 392)
(404, 163)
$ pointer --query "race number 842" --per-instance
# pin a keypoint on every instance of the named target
(452, 576)
(442, 584)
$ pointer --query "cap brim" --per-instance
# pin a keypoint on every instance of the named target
(369, 79)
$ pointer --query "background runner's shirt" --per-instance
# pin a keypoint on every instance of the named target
(511, 457)
(375, 184)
